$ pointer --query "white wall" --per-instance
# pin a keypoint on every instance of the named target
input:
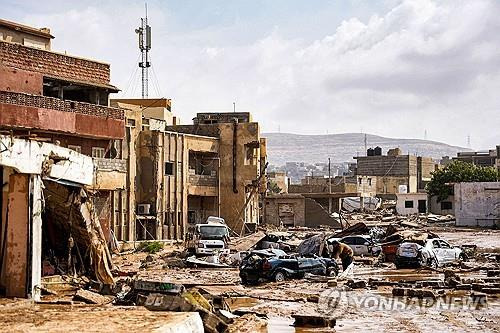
(477, 204)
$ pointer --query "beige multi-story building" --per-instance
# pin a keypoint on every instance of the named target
(393, 171)
(242, 159)
(364, 185)
(178, 175)
(490, 157)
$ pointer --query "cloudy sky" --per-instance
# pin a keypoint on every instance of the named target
(391, 68)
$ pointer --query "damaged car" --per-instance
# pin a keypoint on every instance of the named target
(260, 266)
(432, 252)
(362, 245)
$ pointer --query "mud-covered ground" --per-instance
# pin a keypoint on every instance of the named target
(374, 310)
(366, 309)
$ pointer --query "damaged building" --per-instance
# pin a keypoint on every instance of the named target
(241, 164)
(60, 162)
(176, 174)
(179, 175)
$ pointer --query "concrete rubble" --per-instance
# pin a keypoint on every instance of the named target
(169, 281)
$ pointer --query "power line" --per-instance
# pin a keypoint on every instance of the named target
(156, 83)
(131, 78)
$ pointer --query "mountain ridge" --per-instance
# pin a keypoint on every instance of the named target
(342, 147)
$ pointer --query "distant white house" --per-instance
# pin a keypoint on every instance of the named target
(411, 203)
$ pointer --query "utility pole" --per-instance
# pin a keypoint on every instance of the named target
(234, 107)
(366, 145)
(329, 186)
(144, 32)
(329, 176)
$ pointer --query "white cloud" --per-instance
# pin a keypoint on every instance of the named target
(421, 65)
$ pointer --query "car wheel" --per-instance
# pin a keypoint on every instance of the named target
(332, 271)
(433, 263)
(421, 261)
(462, 257)
(279, 276)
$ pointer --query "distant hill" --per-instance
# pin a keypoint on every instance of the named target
(286, 147)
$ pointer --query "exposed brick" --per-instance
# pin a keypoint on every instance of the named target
(54, 64)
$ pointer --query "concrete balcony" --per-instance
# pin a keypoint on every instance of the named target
(203, 185)
(19, 110)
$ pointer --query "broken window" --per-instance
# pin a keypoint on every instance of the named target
(98, 152)
(252, 153)
(445, 205)
(78, 149)
(409, 204)
(191, 217)
(169, 169)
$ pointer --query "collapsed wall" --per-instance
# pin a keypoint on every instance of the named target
(316, 215)
(69, 213)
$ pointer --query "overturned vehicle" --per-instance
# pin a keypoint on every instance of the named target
(275, 265)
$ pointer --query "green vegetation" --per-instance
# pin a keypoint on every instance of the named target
(441, 184)
(150, 247)
(273, 188)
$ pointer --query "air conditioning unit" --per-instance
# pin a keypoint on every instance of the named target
(143, 209)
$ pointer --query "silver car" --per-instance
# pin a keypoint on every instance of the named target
(362, 245)
(433, 252)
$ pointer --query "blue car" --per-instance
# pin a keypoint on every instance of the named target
(258, 266)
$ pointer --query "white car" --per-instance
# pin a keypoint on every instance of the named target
(434, 252)
(362, 245)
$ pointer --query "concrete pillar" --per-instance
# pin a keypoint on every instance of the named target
(36, 232)
(24, 237)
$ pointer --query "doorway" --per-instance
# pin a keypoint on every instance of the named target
(422, 206)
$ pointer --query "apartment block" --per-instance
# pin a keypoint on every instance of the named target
(242, 161)
(394, 171)
(62, 145)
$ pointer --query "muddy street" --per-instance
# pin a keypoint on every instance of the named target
(375, 296)
(371, 307)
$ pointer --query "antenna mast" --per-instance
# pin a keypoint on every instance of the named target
(144, 32)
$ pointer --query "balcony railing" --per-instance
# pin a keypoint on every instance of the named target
(7, 97)
(202, 180)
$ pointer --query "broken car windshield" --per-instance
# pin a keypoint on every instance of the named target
(213, 231)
